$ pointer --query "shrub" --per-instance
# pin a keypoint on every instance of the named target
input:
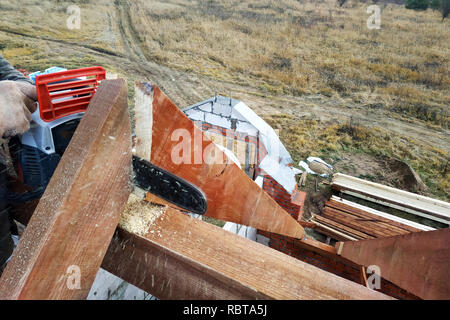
(435, 4)
(417, 4)
(445, 8)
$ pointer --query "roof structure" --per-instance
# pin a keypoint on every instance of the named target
(185, 245)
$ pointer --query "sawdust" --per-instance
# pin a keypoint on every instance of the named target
(139, 215)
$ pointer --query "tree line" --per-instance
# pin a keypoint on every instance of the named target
(441, 5)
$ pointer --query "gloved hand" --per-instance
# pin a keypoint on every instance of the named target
(17, 103)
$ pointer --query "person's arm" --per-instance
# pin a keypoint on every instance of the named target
(7, 72)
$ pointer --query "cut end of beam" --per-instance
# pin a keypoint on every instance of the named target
(143, 115)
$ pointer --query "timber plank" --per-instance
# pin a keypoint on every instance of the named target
(369, 227)
(342, 228)
(362, 213)
(336, 216)
(410, 202)
(375, 222)
(388, 216)
(75, 219)
(333, 233)
(374, 227)
(191, 259)
(418, 262)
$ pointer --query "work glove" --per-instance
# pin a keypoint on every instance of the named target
(17, 103)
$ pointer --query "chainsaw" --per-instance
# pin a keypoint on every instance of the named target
(63, 98)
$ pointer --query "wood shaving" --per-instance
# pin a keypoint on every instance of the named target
(139, 215)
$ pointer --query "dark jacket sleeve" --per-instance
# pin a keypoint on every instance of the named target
(6, 243)
(7, 72)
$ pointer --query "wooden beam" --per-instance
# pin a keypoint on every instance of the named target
(178, 146)
(417, 262)
(185, 258)
(70, 230)
(167, 274)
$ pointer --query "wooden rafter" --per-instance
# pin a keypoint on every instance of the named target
(185, 258)
(417, 262)
(71, 228)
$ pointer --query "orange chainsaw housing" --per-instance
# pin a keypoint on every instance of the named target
(67, 92)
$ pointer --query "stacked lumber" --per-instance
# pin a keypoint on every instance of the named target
(343, 221)
(389, 216)
(413, 203)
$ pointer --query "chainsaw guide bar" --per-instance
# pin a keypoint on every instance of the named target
(168, 186)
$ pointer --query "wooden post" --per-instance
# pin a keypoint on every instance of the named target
(63, 246)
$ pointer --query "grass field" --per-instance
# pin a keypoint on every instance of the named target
(306, 47)
(311, 68)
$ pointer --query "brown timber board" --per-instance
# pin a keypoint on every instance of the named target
(75, 219)
(356, 211)
(417, 262)
(191, 259)
(342, 228)
(373, 228)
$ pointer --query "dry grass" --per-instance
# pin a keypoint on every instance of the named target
(304, 47)
(330, 140)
